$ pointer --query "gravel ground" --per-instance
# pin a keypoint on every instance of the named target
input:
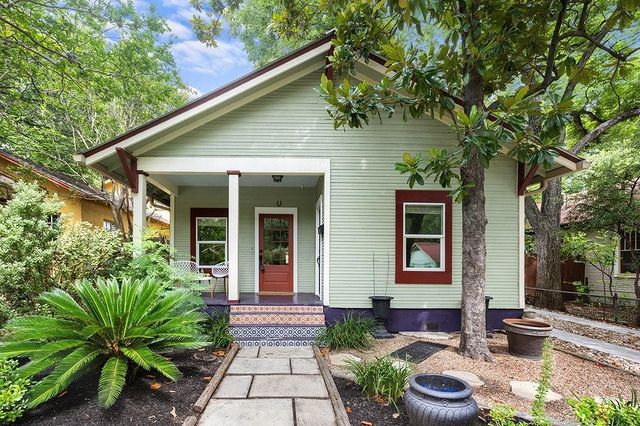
(572, 376)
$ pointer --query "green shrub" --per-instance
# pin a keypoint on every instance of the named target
(86, 251)
(354, 332)
(503, 415)
(27, 246)
(217, 329)
(381, 379)
(114, 326)
(13, 391)
(617, 412)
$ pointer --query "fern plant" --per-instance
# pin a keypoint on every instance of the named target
(115, 327)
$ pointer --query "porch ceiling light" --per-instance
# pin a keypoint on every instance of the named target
(276, 178)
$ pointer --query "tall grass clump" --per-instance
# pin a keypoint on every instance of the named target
(354, 332)
(217, 329)
(381, 378)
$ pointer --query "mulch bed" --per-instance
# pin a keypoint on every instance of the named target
(138, 404)
(362, 409)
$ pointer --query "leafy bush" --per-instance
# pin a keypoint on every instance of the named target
(154, 263)
(112, 327)
(583, 291)
(617, 412)
(381, 378)
(13, 390)
(27, 246)
(217, 329)
(86, 251)
(354, 332)
(503, 415)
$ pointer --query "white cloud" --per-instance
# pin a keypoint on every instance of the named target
(180, 31)
(191, 55)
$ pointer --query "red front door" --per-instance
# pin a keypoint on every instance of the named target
(276, 253)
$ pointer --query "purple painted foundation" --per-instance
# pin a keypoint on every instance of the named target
(446, 320)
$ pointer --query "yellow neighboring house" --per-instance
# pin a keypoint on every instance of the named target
(81, 201)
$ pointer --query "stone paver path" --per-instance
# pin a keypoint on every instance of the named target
(584, 321)
(598, 345)
(271, 386)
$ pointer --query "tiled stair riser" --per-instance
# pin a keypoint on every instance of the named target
(276, 325)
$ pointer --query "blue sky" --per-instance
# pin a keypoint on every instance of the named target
(202, 68)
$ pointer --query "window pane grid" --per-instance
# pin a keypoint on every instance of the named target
(423, 250)
(211, 251)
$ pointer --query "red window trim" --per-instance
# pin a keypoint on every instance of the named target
(202, 212)
(423, 277)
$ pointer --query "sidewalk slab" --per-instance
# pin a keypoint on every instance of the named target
(248, 352)
(314, 412)
(248, 412)
(304, 366)
(247, 366)
(597, 345)
(585, 321)
(288, 386)
(233, 387)
(286, 352)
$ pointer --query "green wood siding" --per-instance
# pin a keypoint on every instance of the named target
(250, 198)
(292, 122)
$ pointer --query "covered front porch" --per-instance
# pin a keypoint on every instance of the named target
(265, 218)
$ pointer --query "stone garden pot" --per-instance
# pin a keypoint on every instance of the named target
(381, 307)
(438, 399)
(526, 336)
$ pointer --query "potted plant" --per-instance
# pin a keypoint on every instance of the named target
(439, 399)
(526, 337)
(381, 305)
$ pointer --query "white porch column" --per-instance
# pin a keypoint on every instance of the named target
(233, 237)
(139, 213)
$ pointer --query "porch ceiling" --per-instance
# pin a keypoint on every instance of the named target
(246, 180)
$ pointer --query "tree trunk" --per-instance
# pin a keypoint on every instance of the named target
(636, 289)
(473, 336)
(546, 225)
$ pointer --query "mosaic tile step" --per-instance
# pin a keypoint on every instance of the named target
(251, 343)
(265, 309)
(270, 332)
(277, 319)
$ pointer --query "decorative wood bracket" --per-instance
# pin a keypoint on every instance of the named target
(525, 180)
(328, 68)
(130, 167)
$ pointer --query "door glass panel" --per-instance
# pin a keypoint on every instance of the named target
(276, 241)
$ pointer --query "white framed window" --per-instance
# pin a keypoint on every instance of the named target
(629, 243)
(423, 238)
(53, 220)
(109, 225)
(211, 241)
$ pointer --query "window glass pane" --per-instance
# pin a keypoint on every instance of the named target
(276, 242)
(626, 262)
(212, 229)
(422, 219)
(423, 253)
(211, 253)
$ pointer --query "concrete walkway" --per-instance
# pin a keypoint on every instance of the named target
(598, 345)
(271, 386)
(584, 321)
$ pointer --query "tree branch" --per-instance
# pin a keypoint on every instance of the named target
(604, 127)
(532, 212)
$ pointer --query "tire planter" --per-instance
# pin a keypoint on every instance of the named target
(438, 399)
(525, 337)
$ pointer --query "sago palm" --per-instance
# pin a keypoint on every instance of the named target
(114, 326)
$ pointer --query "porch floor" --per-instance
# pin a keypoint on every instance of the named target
(304, 299)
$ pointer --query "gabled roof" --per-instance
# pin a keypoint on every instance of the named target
(57, 178)
(161, 129)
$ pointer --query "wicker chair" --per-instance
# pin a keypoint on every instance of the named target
(188, 267)
(220, 270)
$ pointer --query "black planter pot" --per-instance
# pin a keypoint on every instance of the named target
(438, 399)
(381, 307)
